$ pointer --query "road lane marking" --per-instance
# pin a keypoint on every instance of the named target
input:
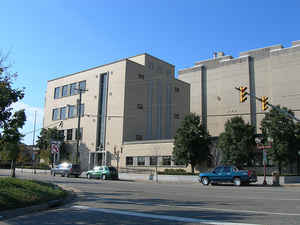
(162, 217)
(204, 208)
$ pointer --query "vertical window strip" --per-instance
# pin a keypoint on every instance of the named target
(158, 121)
(149, 113)
(168, 111)
(103, 105)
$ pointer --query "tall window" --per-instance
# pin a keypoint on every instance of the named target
(71, 112)
(64, 92)
(139, 137)
(69, 134)
(55, 114)
(166, 160)
(63, 111)
(129, 161)
(73, 90)
(80, 134)
(82, 85)
(141, 160)
(56, 92)
(61, 134)
(102, 108)
(153, 160)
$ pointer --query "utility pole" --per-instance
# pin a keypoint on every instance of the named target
(33, 153)
(78, 125)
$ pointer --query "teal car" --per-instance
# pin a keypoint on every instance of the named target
(103, 172)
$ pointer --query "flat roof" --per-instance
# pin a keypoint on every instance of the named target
(120, 60)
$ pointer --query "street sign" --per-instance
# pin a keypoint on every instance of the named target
(54, 148)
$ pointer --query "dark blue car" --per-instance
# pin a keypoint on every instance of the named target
(228, 174)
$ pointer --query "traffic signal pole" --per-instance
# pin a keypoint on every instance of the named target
(78, 125)
(266, 103)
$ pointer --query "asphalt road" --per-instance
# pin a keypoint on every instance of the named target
(124, 202)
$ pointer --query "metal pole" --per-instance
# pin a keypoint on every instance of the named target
(156, 175)
(265, 181)
(33, 139)
(78, 127)
(265, 169)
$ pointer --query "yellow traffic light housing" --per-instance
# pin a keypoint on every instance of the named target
(264, 103)
(243, 94)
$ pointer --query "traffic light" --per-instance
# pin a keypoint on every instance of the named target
(243, 94)
(264, 103)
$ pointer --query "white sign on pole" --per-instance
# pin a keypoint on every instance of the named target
(54, 148)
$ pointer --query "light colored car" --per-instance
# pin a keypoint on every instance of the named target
(103, 172)
(66, 169)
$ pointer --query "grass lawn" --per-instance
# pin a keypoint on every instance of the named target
(17, 193)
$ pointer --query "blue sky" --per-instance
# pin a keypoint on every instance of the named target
(50, 38)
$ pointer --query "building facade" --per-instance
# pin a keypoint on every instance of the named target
(129, 106)
(271, 71)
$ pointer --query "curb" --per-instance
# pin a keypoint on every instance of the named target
(37, 208)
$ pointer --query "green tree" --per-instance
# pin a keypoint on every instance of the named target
(297, 146)
(10, 122)
(237, 143)
(11, 138)
(191, 144)
(44, 142)
(281, 129)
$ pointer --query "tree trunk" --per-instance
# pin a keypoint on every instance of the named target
(298, 165)
(13, 168)
(279, 168)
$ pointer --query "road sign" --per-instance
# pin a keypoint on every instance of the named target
(54, 148)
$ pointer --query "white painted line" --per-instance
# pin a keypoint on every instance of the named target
(210, 209)
(162, 217)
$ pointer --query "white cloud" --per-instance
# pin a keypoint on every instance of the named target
(29, 125)
(29, 111)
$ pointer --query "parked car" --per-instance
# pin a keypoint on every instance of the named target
(66, 169)
(229, 174)
(103, 172)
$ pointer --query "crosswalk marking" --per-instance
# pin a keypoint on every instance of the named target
(155, 216)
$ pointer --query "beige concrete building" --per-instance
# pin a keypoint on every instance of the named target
(271, 71)
(130, 112)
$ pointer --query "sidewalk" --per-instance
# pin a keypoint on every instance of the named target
(284, 181)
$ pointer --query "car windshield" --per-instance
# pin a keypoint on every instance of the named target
(65, 165)
(76, 167)
(97, 168)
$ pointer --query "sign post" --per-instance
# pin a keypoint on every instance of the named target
(264, 152)
(55, 148)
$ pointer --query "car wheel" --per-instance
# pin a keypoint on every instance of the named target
(62, 174)
(53, 174)
(237, 181)
(88, 176)
(205, 181)
(104, 177)
(76, 176)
